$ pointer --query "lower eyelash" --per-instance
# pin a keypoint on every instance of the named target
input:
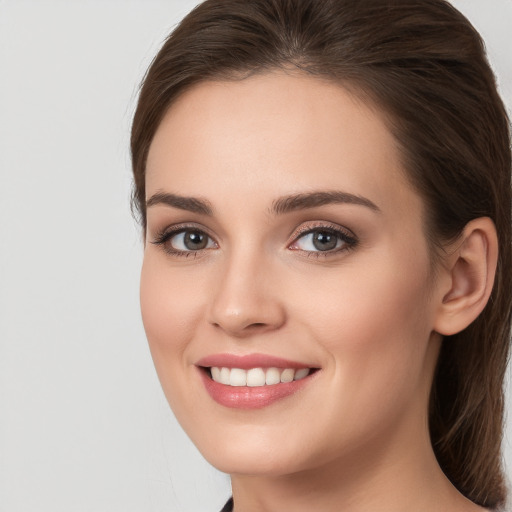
(350, 242)
(163, 237)
(350, 246)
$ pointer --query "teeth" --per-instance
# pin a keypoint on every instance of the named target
(237, 377)
(224, 376)
(273, 376)
(300, 374)
(216, 374)
(256, 376)
(287, 375)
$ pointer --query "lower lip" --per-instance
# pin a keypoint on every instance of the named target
(245, 397)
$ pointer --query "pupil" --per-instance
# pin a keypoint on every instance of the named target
(194, 240)
(324, 241)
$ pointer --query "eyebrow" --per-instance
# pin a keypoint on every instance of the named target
(280, 206)
(191, 204)
(314, 199)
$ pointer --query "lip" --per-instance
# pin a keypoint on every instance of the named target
(245, 397)
(246, 362)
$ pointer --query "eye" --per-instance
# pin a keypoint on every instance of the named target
(184, 241)
(323, 239)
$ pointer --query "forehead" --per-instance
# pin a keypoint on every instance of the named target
(279, 132)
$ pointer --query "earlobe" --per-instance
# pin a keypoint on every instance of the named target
(470, 269)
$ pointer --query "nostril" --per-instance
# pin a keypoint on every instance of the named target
(247, 320)
(242, 330)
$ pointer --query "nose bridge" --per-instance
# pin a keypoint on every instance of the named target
(246, 297)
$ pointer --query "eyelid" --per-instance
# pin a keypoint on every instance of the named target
(163, 236)
(345, 234)
(308, 227)
(172, 229)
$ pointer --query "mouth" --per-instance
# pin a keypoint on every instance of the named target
(256, 377)
(253, 381)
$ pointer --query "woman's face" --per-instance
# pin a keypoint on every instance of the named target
(283, 240)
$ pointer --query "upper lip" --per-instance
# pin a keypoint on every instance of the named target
(246, 362)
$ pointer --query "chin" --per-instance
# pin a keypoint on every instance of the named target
(254, 463)
(254, 451)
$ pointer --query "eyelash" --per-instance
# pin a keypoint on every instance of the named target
(166, 235)
(347, 238)
(343, 235)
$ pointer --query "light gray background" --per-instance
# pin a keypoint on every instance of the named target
(84, 426)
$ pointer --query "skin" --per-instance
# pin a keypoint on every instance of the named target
(355, 438)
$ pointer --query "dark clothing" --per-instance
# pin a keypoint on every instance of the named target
(228, 507)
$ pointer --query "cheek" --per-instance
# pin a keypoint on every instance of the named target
(170, 309)
(374, 323)
(362, 304)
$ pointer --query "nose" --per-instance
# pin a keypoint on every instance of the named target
(246, 299)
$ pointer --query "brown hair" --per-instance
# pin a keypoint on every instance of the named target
(424, 65)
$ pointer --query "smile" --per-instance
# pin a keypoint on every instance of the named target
(252, 381)
(254, 377)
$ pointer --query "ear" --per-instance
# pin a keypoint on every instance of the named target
(468, 276)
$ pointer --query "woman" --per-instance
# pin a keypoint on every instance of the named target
(324, 189)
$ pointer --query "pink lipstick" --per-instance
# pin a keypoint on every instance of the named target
(252, 381)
